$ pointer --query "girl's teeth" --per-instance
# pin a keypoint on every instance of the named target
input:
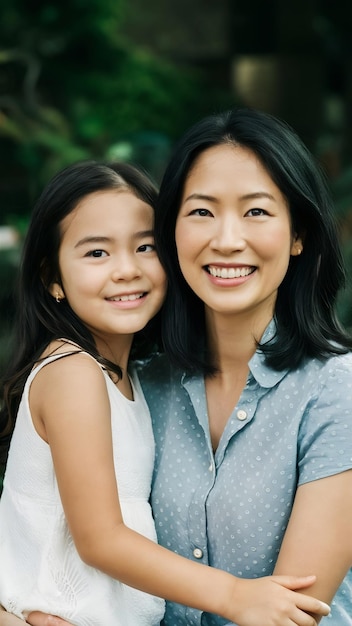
(133, 296)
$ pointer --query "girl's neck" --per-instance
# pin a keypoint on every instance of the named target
(115, 349)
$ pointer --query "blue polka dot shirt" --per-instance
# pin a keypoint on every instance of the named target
(231, 509)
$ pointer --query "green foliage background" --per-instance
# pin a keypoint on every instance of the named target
(72, 85)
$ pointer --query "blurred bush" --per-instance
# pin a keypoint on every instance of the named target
(72, 85)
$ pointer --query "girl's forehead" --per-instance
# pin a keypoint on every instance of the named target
(111, 209)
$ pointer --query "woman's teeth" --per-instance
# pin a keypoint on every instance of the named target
(230, 272)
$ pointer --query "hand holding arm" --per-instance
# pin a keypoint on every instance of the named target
(267, 600)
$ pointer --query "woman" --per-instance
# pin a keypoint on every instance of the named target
(252, 418)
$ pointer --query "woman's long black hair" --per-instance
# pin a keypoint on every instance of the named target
(305, 306)
(39, 318)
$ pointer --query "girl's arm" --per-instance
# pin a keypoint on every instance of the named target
(71, 410)
(319, 534)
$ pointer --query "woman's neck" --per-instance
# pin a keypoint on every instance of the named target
(232, 340)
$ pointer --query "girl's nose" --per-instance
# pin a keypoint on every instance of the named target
(126, 268)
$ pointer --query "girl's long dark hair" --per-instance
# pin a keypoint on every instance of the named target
(305, 309)
(39, 318)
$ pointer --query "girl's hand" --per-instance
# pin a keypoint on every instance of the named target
(273, 601)
(36, 618)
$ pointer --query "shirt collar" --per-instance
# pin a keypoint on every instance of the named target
(265, 375)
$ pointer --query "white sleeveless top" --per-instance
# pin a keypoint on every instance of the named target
(40, 568)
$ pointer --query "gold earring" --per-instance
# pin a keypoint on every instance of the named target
(57, 297)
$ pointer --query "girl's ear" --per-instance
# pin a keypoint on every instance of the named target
(54, 288)
(56, 291)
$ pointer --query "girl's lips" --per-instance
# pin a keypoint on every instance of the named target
(131, 297)
(229, 272)
(128, 301)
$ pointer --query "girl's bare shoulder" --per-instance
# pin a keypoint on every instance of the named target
(72, 365)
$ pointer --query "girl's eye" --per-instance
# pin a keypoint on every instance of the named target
(97, 254)
(146, 247)
(201, 212)
(255, 212)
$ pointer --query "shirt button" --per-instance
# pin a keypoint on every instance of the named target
(197, 553)
(210, 468)
(241, 415)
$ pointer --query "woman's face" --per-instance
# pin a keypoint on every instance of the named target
(233, 233)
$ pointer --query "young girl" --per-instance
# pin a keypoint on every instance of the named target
(76, 531)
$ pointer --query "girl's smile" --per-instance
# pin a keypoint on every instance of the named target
(128, 301)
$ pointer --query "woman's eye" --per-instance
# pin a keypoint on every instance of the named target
(97, 254)
(255, 212)
(146, 247)
(201, 212)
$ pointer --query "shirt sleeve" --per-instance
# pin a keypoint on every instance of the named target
(325, 437)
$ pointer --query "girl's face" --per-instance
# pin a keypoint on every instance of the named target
(233, 234)
(110, 272)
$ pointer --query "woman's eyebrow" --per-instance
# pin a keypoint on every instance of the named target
(248, 196)
(200, 196)
(256, 195)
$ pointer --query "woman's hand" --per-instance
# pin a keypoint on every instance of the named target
(36, 618)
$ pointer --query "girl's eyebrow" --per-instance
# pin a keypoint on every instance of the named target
(92, 239)
(102, 239)
(144, 233)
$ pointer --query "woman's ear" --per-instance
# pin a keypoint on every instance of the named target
(56, 292)
(297, 246)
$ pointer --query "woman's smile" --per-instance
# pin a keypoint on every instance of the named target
(222, 271)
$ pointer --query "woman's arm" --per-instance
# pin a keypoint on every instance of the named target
(6, 619)
(319, 535)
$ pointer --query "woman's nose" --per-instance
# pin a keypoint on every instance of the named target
(229, 235)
